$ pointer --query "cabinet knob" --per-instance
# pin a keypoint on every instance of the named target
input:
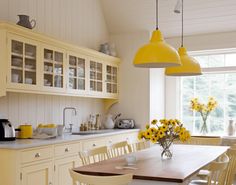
(66, 149)
(49, 183)
(94, 144)
(37, 155)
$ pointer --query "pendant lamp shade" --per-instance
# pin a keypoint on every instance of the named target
(156, 54)
(190, 67)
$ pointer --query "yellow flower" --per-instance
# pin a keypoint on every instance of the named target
(154, 122)
(148, 134)
(164, 128)
(164, 121)
(177, 129)
(161, 134)
(147, 126)
(153, 130)
(140, 135)
(154, 139)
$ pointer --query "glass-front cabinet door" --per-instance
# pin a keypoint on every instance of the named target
(77, 73)
(53, 68)
(95, 77)
(111, 79)
(23, 62)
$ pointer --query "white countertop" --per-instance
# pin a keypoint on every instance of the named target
(29, 143)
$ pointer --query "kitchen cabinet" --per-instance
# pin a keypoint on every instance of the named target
(77, 81)
(36, 63)
(62, 166)
(53, 69)
(23, 63)
(38, 174)
(50, 164)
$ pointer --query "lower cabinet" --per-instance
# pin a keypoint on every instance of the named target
(49, 165)
(38, 174)
(61, 168)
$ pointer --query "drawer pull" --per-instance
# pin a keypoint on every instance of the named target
(37, 155)
(94, 144)
(50, 183)
(66, 149)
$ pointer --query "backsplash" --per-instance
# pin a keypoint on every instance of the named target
(22, 108)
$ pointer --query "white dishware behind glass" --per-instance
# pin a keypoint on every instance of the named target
(131, 160)
(28, 80)
(16, 78)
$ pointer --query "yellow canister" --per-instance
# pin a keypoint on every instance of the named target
(26, 131)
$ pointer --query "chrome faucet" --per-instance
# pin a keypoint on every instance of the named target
(64, 117)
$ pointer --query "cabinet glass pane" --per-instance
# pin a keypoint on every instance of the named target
(111, 79)
(17, 47)
(96, 76)
(77, 71)
(23, 62)
(58, 82)
(81, 84)
(72, 83)
(53, 68)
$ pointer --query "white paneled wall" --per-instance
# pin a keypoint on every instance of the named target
(77, 21)
(29, 108)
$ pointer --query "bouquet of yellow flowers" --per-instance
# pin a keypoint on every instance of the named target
(204, 110)
(165, 132)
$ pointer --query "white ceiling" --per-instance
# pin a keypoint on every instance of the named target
(201, 16)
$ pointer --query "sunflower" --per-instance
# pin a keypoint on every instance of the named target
(154, 122)
(148, 134)
(147, 126)
(177, 129)
(153, 139)
(164, 128)
(140, 135)
(161, 134)
(153, 130)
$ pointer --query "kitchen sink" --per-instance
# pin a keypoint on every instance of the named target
(91, 132)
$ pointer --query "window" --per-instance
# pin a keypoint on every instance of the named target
(218, 80)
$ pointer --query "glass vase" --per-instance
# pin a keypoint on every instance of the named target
(204, 129)
(166, 150)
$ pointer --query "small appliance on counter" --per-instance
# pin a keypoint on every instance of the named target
(25, 131)
(125, 124)
(7, 131)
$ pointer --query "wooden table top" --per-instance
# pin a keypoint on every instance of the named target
(186, 161)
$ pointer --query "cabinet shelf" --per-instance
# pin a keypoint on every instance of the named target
(17, 68)
(17, 55)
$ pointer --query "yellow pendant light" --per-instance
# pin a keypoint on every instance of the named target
(157, 53)
(190, 66)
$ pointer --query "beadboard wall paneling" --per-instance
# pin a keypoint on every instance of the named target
(79, 22)
(22, 108)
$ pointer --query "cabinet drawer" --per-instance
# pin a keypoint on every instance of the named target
(87, 145)
(67, 149)
(36, 154)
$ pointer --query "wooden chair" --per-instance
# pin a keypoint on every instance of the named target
(118, 149)
(217, 175)
(94, 155)
(100, 180)
(231, 152)
(201, 140)
(134, 147)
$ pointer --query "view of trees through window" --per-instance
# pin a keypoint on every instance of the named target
(218, 83)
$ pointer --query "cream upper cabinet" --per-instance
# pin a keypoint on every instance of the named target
(40, 64)
(96, 79)
(38, 174)
(111, 81)
(54, 67)
(77, 72)
(23, 63)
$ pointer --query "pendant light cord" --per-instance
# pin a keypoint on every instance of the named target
(182, 36)
(157, 14)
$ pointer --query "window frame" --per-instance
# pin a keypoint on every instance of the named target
(208, 70)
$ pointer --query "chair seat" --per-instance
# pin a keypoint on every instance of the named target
(200, 182)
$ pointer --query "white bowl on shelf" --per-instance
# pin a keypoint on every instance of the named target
(28, 80)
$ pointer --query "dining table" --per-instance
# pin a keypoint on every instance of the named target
(151, 169)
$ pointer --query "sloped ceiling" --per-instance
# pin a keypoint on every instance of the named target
(201, 16)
